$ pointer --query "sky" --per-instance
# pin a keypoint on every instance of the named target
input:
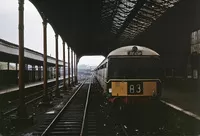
(33, 36)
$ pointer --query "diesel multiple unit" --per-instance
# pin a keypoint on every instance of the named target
(129, 74)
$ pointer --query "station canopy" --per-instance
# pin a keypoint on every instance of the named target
(96, 27)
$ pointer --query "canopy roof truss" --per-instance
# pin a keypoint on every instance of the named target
(97, 27)
(131, 17)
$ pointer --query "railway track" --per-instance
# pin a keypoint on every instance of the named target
(31, 98)
(70, 119)
(77, 117)
(99, 121)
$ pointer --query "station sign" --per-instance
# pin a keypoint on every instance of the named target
(134, 51)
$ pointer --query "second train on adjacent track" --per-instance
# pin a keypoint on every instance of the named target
(130, 74)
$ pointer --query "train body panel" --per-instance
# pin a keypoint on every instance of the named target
(101, 75)
(130, 72)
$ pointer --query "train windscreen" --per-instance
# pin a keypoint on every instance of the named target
(129, 68)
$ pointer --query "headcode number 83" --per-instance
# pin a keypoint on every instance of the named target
(135, 88)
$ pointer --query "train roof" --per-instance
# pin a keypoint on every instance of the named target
(124, 51)
(140, 50)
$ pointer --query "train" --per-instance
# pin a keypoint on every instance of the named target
(130, 74)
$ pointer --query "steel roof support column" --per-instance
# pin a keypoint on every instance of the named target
(22, 113)
(72, 67)
(45, 97)
(57, 90)
(68, 66)
(75, 68)
(64, 72)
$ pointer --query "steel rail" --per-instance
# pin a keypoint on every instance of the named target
(124, 130)
(32, 100)
(35, 93)
(61, 111)
(86, 107)
(28, 102)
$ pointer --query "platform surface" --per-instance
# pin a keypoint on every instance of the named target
(11, 88)
(187, 99)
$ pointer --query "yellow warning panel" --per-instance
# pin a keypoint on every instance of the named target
(149, 87)
(119, 88)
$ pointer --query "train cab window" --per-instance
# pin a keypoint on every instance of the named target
(134, 68)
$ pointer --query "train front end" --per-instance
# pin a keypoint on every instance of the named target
(135, 76)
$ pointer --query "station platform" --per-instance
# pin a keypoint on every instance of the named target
(12, 88)
(185, 100)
